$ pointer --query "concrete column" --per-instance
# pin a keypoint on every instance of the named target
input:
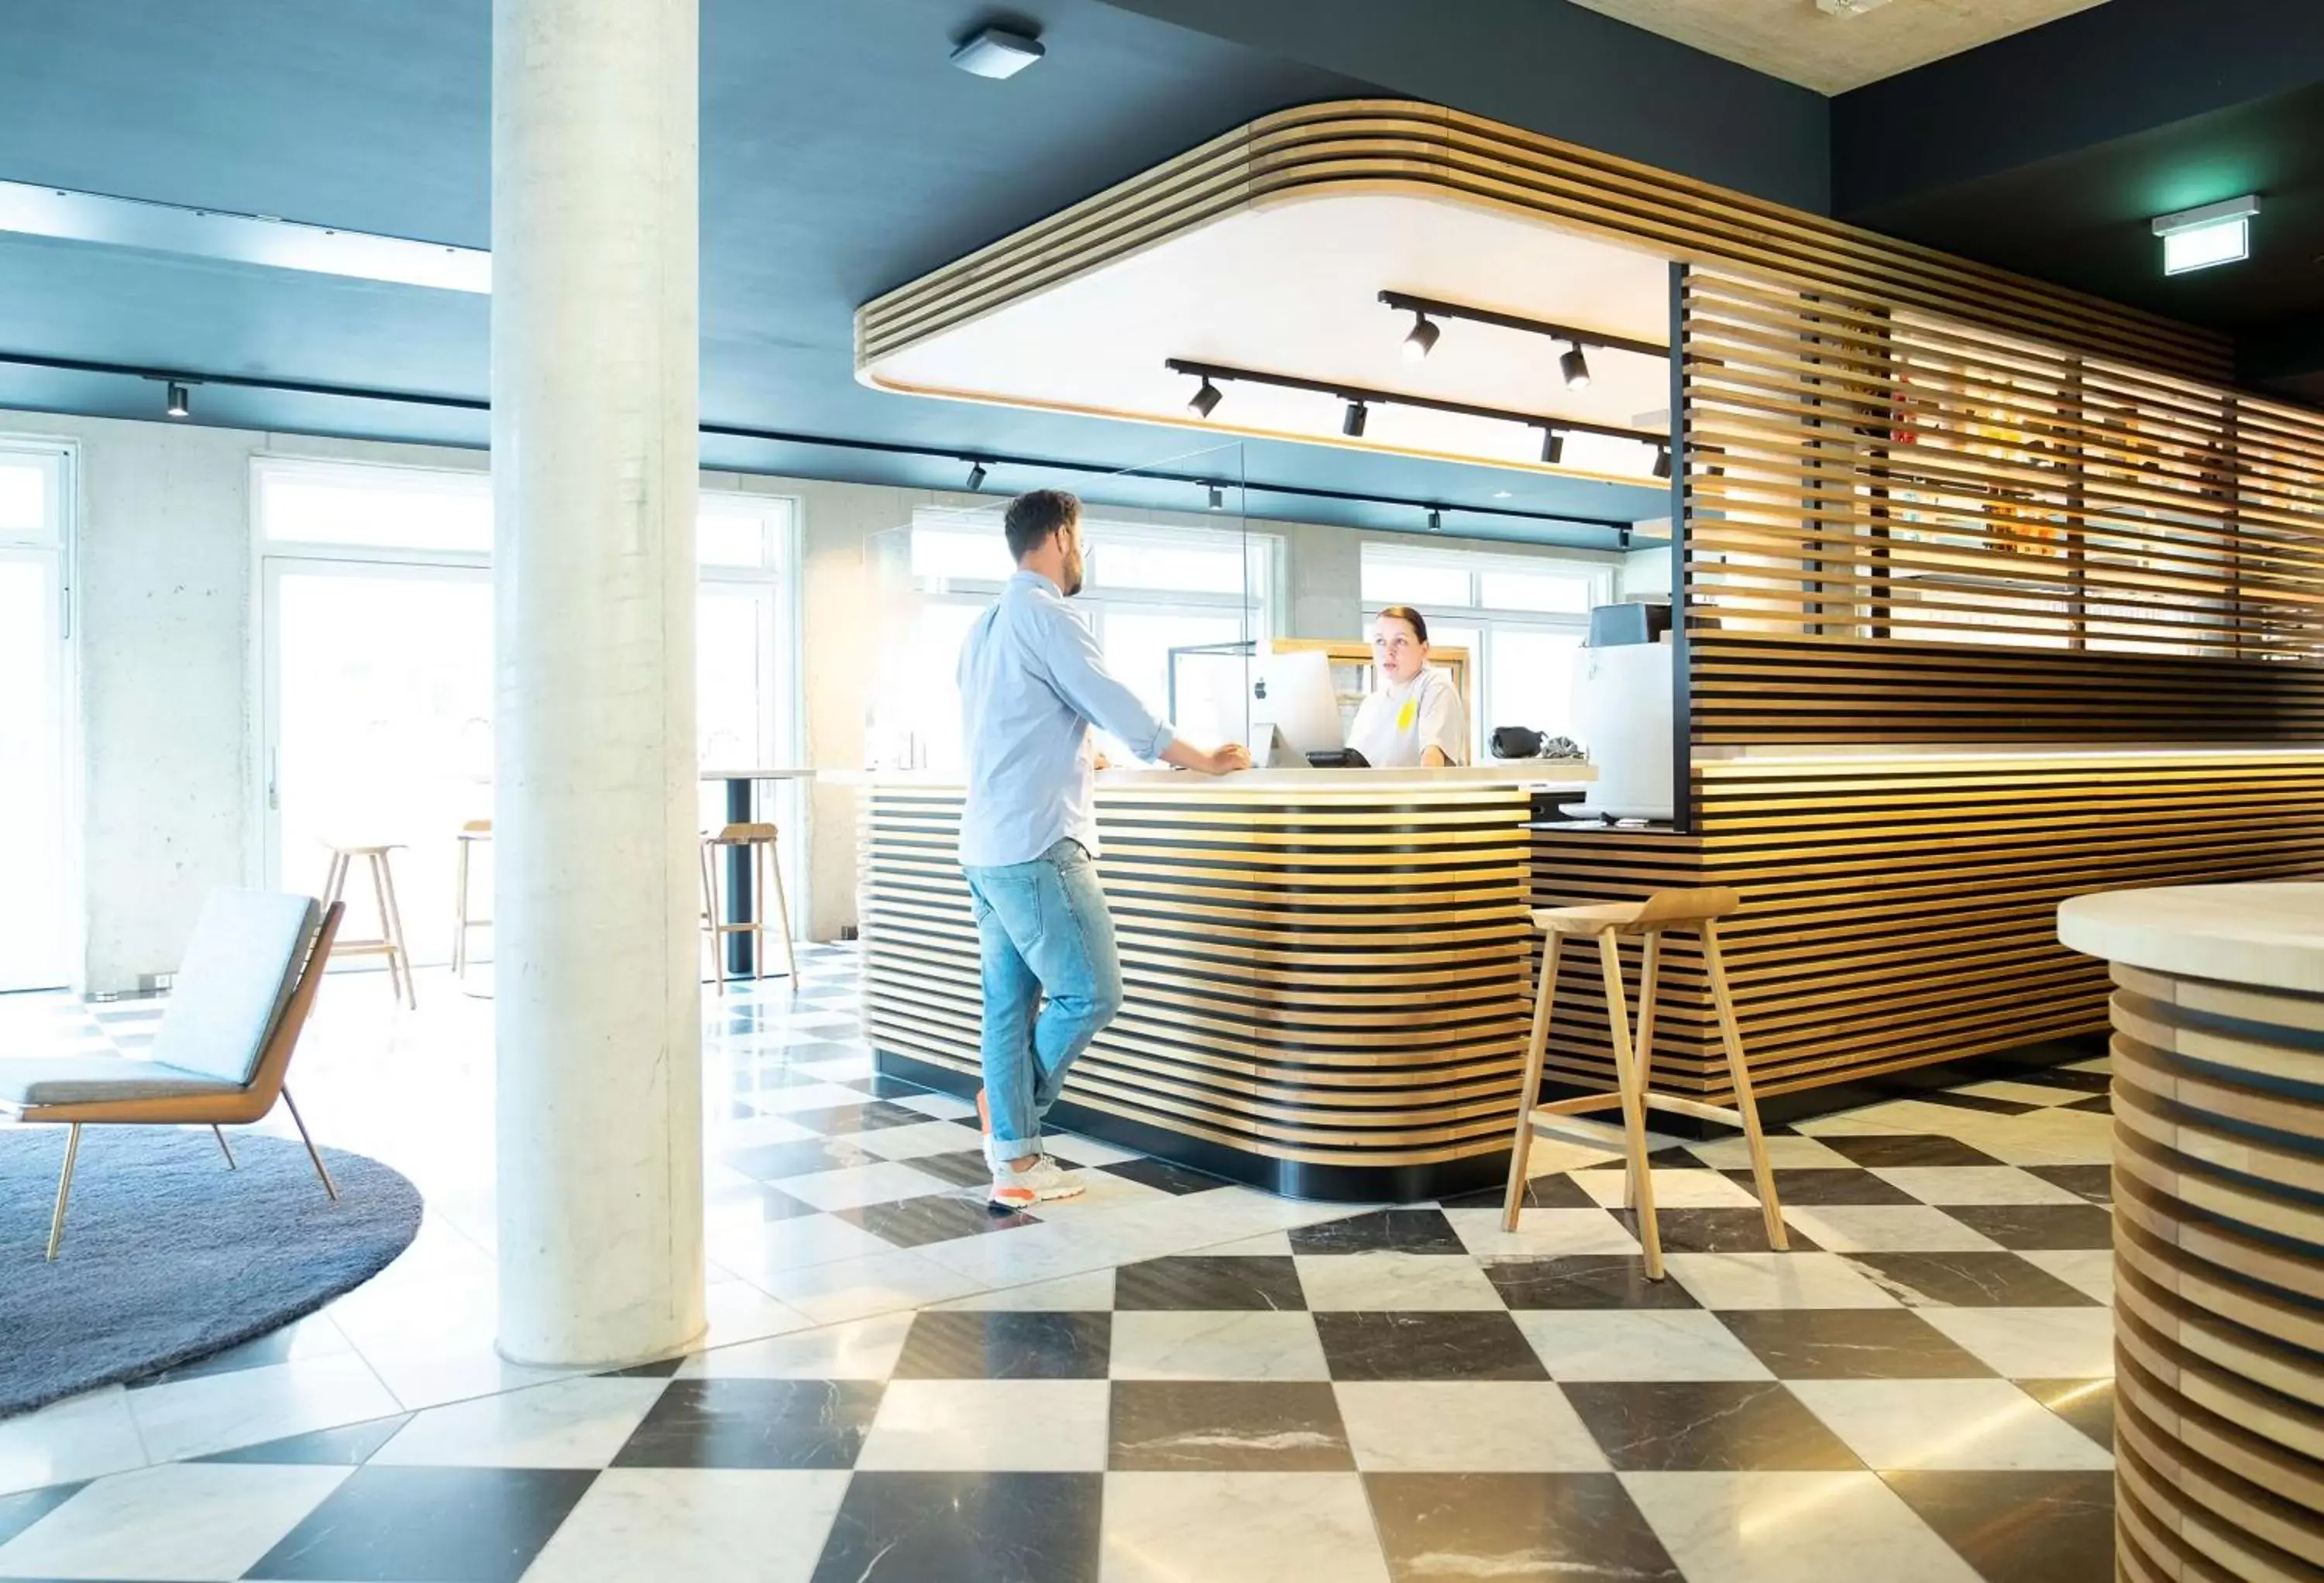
(597, 1007)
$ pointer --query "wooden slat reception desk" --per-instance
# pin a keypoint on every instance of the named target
(1326, 970)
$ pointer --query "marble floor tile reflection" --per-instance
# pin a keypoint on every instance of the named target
(1173, 1378)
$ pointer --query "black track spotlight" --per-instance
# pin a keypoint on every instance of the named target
(179, 406)
(1435, 521)
(1422, 340)
(1552, 445)
(1576, 367)
(1206, 401)
(975, 477)
(1662, 462)
(1352, 423)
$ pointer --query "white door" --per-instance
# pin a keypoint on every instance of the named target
(378, 709)
(37, 943)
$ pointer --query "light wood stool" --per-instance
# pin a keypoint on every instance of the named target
(390, 944)
(1700, 909)
(474, 832)
(766, 875)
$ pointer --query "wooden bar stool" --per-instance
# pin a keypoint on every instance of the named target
(766, 876)
(472, 834)
(390, 944)
(1700, 909)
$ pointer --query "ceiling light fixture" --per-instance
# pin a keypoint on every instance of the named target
(178, 405)
(996, 52)
(1552, 445)
(1435, 521)
(1351, 423)
(1206, 401)
(2199, 238)
(1422, 340)
(1217, 500)
(975, 477)
(1662, 462)
(1213, 374)
(1575, 368)
(1577, 335)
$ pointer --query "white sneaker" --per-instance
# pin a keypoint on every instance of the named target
(1037, 1182)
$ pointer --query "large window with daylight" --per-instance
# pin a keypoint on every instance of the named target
(376, 675)
(1521, 618)
(1150, 589)
(36, 880)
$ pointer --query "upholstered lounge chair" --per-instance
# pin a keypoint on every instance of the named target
(224, 1045)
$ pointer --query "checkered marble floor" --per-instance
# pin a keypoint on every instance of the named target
(1173, 1378)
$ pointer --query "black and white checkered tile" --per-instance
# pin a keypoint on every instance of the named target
(1920, 1389)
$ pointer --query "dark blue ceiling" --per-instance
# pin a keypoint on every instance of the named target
(841, 155)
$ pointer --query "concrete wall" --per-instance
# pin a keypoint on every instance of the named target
(167, 646)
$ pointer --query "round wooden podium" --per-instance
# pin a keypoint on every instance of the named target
(2218, 1167)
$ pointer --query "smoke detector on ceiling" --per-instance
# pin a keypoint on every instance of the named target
(1849, 8)
(997, 51)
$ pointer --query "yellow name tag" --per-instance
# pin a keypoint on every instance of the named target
(1408, 714)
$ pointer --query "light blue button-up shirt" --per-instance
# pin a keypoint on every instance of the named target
(1032, 682)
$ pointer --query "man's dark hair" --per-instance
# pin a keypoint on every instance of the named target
(1036, 514)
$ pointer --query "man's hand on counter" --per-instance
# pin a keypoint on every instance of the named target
(1220, 760)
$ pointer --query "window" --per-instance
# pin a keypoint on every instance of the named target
(38, 887)
(1521, 619)
(1148, 589)
(375, 580)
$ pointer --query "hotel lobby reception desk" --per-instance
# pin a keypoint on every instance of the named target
(1325, 969)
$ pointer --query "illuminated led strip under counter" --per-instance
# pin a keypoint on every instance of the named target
(1326, 970)
(2218, 1101)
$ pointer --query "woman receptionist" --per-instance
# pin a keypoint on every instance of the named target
(1413, 715)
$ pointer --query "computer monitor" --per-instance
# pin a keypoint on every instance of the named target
(1292, 693)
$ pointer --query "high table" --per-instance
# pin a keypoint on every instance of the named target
(741, 808)
(1326, 970)
(2218, 1102)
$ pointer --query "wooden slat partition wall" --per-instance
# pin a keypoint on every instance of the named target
(1333, 975)
(1392, 144)
(1865, 471)
(1754, 687)
(1902, 910)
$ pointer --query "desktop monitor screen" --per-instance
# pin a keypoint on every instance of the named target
(1293, 694)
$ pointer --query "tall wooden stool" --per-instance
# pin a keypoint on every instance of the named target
(1700, 909)
(474, 832)
(766, 877)
(390, 942)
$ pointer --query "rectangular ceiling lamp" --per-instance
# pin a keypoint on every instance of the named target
(2199, 238)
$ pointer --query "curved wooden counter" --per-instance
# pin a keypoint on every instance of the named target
(1326, 970)
(2218, 1098)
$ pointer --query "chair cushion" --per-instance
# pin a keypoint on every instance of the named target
(237, 977)
(75, 1080)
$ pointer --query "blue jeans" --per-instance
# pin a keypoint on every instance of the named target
(1043, 928)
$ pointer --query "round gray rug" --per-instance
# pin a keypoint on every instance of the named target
(170, 1256)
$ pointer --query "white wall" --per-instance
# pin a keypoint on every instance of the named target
(167, 646)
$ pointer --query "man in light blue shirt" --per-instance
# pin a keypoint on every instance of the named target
(1032, 684)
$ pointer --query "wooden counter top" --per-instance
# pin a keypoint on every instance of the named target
(2268, 936)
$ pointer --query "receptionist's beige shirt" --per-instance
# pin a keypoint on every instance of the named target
(1400, 721)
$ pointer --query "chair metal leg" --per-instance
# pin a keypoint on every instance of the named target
(64, 1191)
(1536, 1050)
(312, 1152)
(1633, 1109)
(219, 1133)
(1738, 1072)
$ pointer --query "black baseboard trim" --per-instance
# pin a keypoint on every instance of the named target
(1283, 1178)
(1418, 1183)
